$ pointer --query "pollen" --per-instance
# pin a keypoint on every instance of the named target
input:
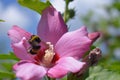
(49, 54)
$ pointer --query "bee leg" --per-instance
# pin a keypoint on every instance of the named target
(31, 51)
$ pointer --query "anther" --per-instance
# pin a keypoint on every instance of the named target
(49, 54)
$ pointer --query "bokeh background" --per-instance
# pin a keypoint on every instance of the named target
(97, 15)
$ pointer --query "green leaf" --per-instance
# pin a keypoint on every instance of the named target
(111, 65)
(99, 73)
(6, 74)
(114, 66)
(7, 66)
(8, 56)
(116, 4)
(73, 76)
(2, 20)
(35, 5)
(6, 63)
(64, 78)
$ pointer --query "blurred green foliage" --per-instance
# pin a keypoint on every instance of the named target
(116, 4)
(104, 24)
(6, 64)
(2, 20)
(109, 65)
(98, 73)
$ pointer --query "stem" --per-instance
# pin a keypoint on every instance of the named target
(45, 78)
(66, 11)
(91, 59)
(51, 78)
(48, 78)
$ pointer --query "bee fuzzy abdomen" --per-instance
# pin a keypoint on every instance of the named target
(33, 51)
(34, 42)
(36, 47)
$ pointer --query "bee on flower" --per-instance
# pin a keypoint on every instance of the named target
(53, 51)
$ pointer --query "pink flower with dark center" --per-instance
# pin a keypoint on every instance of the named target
(60, 50)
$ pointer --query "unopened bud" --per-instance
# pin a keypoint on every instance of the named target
(90, 60)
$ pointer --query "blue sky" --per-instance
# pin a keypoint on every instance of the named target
(14, 14)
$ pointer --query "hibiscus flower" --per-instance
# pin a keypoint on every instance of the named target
(60, 50)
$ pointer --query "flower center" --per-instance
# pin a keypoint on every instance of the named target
(47, 57)
(49, 54)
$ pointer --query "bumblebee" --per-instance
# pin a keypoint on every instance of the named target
(34, 42)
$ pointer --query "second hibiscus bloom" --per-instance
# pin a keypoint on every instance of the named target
(59, 52)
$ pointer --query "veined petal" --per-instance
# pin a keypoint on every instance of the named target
(51, 26)
(73, 44)
(17, 33)
(26, 70)
(65, 65)
(20, 50)
(93, 36)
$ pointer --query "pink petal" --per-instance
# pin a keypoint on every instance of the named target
(17, 33)
(73, 44)
(51, 26)
(29, 71)
(16, 66)
(93, 36)
(65, 65)
(20, 50)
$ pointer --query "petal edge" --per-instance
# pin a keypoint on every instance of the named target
(73, 44)
(51, 26)
(65, 65)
